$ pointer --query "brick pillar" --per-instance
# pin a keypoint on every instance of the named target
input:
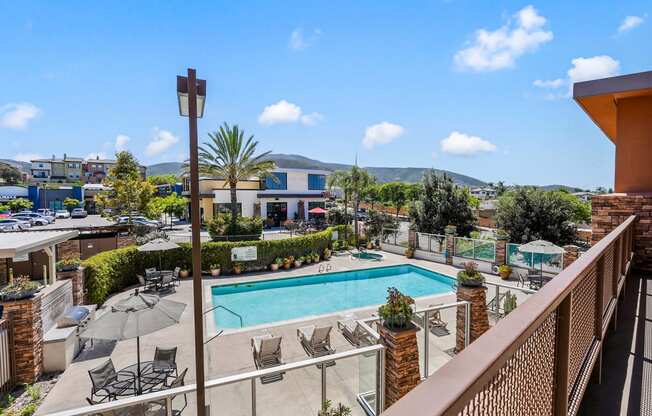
(450, 231)
(412, 238)
(125, 241)
(77, 277)
(28, 337)
(479, 318)
(501, 250)
(571, 254)
(67, 250)
(401, 362)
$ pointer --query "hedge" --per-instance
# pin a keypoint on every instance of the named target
(111, 271)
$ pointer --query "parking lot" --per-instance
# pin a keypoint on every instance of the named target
(91, 221)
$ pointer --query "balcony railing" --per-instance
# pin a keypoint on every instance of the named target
(538, 360)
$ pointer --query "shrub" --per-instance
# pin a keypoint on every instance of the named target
(220, 227)
(110, 272)
(68, 264)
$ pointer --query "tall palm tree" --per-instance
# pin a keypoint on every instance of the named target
(227, 155)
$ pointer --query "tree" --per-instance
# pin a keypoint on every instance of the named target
(162, 179)
(360, 180)
(19, 204)
(442, 203)
(529, 214)
(71, 203)
(229, 156)
(342, 179)
(10, 174)
(581, 209)
(126, 167)
(372, 193)
(500, 188)
(129, 193)
(376, 221)
(395, 194)
(170, 205)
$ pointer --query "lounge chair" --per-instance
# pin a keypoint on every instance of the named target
(108, 384)
(165, 361)
(354, 332)
(267, 353)
(316, 340)
(435, 318)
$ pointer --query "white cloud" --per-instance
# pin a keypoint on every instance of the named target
(121, 141)
(585, 69)
(161, 142)
(93, 155)
(630, 22)
(298, 41)
(17, 116)
(461, 144)
(499, 49)
(27, 157)
(311, 119)
(381, 133)
(554, 83)
(286, 112)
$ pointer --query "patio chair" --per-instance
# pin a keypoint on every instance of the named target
(146, 284)
(158, 407)
(176, 276)
(354, 332)
(267, 353)
(137, 409)
(165, 361)
(316, 340)
(167, 282)
(435, 318)
(108, 384)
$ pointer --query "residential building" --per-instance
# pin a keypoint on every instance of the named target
(483, 193)
(73, 169)
(584, 196)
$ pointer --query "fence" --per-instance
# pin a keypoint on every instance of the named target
(7, 359)
(470, 248)
(539, 359)
(394, 237)
(433, 243)
(552, 263)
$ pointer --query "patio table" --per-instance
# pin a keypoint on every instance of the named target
(149, 379)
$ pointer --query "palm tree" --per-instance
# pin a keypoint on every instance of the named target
(342, 179)
(230, 157)
(360, 180)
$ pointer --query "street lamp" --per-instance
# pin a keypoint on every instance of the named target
(191, 93)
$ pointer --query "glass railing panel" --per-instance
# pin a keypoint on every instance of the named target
(231, 399)
(351, 382)
(298, 392)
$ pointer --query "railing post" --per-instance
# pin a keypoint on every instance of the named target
(380, 381)
(323, 384)
(467, 324)
(253, 397)
(599, 311)
(168, 406)
(426, 343)
(561, 356)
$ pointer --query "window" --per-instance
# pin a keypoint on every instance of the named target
(316, 182)
(281, 182)
(225, 208)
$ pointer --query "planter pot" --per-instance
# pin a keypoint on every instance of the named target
(237, 270)
(409, 254)
(67, 268)
(273, 267)
(19, 296)
(184, 274)
(398, 325)
(216, 272)
(286, 266)
(316, 260)
(505, 275)
(370, 246)
(472, 283)
(308, 261)
(297, 263)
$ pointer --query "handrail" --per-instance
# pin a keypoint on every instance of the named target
(228, 310)
(458, 381)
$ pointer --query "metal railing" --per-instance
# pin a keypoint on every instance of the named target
(495, 304)
(7, 356)
(394, 237)
(539, 359)
(471, 248)
(433, 243)
(163, 399)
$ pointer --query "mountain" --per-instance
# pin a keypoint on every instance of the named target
(21, 166)
(558, 187)
(165, 168)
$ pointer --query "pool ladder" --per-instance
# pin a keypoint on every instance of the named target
(326, 268)
(228, 310)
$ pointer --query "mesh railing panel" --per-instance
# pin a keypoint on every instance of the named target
(607, 278)
(525, 384)
(434, 243)
(582, 329)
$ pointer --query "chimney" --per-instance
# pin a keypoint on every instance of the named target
(65, 156)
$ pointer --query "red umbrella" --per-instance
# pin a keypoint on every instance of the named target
(317, 210)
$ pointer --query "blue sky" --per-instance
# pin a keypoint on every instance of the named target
(480, 88)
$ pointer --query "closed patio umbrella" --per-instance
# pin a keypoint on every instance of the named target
(159, 245)
(541, 247)
(138, 315)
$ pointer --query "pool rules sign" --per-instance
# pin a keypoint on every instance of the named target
(248, 253)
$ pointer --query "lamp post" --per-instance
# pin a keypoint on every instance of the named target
(191, 93)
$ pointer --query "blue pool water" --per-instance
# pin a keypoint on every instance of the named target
(282, 299)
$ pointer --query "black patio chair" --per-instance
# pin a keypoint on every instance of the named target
(165, 361)
(177, 382)
(108, 384)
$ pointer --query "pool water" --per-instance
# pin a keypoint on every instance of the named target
(292, 298)
(367, 256)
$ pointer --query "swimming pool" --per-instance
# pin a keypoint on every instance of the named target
(292, 298)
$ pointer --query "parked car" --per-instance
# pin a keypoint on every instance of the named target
(13, 224)
(31, 214)
(62, 213)
(139, 219)
(31, 219)
(46, 212)
(78, 213)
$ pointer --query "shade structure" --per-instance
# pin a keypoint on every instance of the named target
(160, 245)
(541, 247)
(317, 210)
(138, 315)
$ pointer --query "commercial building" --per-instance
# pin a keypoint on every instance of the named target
(73, 169)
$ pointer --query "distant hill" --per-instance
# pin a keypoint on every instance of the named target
(558, 187)
(166, 168)
(21, 166)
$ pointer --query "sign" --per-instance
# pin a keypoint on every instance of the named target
(334, 235)
(21, 257)
(248, 253)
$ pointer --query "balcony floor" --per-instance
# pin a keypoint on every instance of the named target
(626, 387)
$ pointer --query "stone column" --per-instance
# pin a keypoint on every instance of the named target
(77, 277)
(571, 254)
(401, 362)
(412, 238)
(28, 337)
(479, 318)
(501, 250)
(450, 231)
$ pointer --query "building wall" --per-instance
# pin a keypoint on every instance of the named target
(634, 126)
(246, 197)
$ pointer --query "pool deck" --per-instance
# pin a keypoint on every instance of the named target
(230, 353)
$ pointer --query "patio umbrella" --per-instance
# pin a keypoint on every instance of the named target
(159, 245)
(317, 210)
(540, 247)
(138, 315)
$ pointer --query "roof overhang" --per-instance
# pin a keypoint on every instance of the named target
(599, 98)
(16, 244)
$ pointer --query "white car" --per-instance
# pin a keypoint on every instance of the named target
(62, 213)
(13, 224)
(34, 215)
(33, 220)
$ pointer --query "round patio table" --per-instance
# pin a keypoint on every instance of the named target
(149, 379)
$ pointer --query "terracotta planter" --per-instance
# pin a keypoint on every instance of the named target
(237, 270)
(216, 272)
(505, 275)
(286, 266)
(297, 263)
(308, 261)
(409, 254)
(273, 267)
(184, 274)
(472, 283)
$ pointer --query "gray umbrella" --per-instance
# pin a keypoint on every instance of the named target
(138, 315)
(159, 245)
(541, 247)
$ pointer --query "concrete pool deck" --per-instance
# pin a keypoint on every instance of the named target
(230, 353)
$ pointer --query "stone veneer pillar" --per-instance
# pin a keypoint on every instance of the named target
(479, 318)
(501, 250)
(450, 231)
(412, 238)
(78, 291)
(28, 337)
(609, 211)
(571, 253)
(401, 362)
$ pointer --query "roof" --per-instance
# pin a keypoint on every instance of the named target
(599, 98)
(17, 243)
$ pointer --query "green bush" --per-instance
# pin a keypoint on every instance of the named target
(112, 271)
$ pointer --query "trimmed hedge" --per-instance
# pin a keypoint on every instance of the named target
(111, 271)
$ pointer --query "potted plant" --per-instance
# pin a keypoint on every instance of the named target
(470, 276)
(504, 271)
(397, 312)
(370, 245)
(216, 269)
(298, 262)
(68, 265)
(327, 253)
(278, 262)
(185, 271)
(409, 252)
(287, 262)
(21, 288)
(238, 267)
(315, 257)
(340, 410)
(307, 259)
(509, 304)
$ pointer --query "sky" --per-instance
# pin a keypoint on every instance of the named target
(476, 87)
